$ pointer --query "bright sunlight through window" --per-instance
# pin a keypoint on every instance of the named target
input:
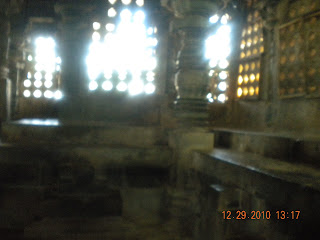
(217, 53)
(122, 55)
(43, 70)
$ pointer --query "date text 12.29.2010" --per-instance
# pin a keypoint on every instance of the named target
(256, 215)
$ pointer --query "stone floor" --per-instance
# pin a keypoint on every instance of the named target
(111, 228)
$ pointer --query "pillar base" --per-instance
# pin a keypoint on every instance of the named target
(191, 111)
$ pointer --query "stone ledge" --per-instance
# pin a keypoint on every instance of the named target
(53, 133)
(291, 147)
(296, 175)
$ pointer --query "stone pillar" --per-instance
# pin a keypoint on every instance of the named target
(191, 79)
(73, 44)
(4, 70)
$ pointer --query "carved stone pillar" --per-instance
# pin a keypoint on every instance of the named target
(5, 82)
(73, 44)
(191, 80)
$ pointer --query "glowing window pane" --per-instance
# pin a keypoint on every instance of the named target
(112, 1)
(258, 76)
(29, 75)
(223, 75)
(96, 26)
(37, 93)
(213, 63)
(96, 36)
(135, 87)
(126, 2)
(246, 78)
(209, 95)
(58, 95)
(150, 76)
(140, 3)
(30, 58)
(222, 86)
(211, 72)
(222, 98)
(48, 77)
(243, 44)
(37, 84)
(93, 85)
(126, 15)
(239, 92)
(108, 74)
(252, 77)
(249, 42)
(139, 16)
(151, 64)
(224, 19)
(240, 80)
(48, 94)
(251, 91)
(26, 93)
(38, 67)
(122, 75)
(245, 91)
(27, 83)
(112, 12)
(107, 85)
(149, 88)
(122, 86)
(240, 68)
(38, 76)
(110, 27)
(48, 84)
(58, 60)
(214, 19)
(150, 31)
(223, 64)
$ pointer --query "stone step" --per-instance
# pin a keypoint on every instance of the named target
(35, 165)
(284, 146)
(64, 228)
(111, 228)
(29, 132)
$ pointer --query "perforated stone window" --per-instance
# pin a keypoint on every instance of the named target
(251, 50)
(299, 58)
(42, 69)
(218, 52)
(122, 55)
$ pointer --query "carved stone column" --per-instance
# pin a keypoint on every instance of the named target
(73, 44)
(191, 79)
(4, 70)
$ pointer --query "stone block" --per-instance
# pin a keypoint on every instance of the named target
(143, 204)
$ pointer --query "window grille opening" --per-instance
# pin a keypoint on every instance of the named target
(122, 54)
(299, 37)
(43, 67)
(251, 50)
(217, 53)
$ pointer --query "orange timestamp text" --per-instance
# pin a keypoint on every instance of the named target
(256, 215)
